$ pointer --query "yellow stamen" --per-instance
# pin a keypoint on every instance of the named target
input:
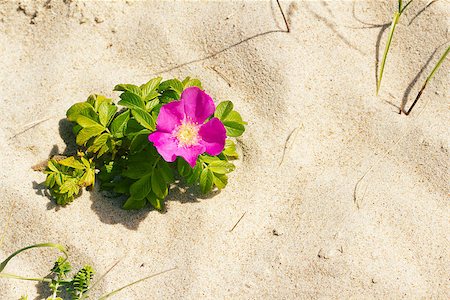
(187, 134)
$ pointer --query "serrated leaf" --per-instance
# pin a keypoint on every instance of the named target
(220, 181)
(221, 167)
(144, 118)
(72, 162)
(131, 100)
(223, 110)
(87, 133)
(151, 104)
(148, 89)
(173, 84)
(133, 203)
(234, 129)
(142, 187)
(155, 202)
(81, 108)
(131, 88)
(206, 180)
(106, 112)
(119, 124)
(159, 186)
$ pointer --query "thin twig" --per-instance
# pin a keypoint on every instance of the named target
(237, 222)
(31, 126)
(284, 17)
(286, 143)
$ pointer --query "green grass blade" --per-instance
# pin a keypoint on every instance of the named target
(133, 283)
(436, 67)
(386, 50)
(13, 276)
(45, 245)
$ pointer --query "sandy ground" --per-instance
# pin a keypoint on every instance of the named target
(302, 235)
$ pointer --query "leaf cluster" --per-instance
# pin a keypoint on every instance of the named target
(113, 140)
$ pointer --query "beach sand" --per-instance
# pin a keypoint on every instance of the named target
(315, 128)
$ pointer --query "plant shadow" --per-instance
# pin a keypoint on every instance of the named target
(107, 206)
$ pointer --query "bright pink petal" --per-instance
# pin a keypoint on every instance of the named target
(198, 105)
(165, 144)
(190, 154)
(170, 116)
(213, 135)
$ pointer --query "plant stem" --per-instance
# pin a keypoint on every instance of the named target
(436, 67)
(386, 50)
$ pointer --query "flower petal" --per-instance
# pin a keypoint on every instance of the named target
(170, 116)
(165, 144)
(213, 136)
(190, 154)
(198, 105)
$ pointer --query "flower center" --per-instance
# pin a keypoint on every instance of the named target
(187, 134)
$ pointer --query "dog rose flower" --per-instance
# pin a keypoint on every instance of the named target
(181, 129)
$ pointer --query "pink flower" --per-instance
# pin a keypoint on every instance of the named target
(181, 129)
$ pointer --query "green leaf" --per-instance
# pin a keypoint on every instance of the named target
(151, 104)
(234, 116)
(128, 88)
(131, 100)
(96, 100)
(133, 203)
(234, 129)
(88, 178)
(155, 202)
(144, 118)
(169, 96)
(81, 108)
(220, 181)
(86, 133)
(136, 170)
(119, 124)
(184, 169)
(195, 175)
(86, 122)
(221, 167)
(230, 149)
(148, 89)
(51, 165)
(166, 171)
(173, 84)
(223, 109)
(98, 143)
(139, 142)
(106, 112)
(206, 181)
(159, 186)
(70, 186)
(72, 162)
(188, 82)
(142, 187)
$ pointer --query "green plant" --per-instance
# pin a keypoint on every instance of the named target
(58, 280)
(424, 85)
(114, 145)
(395, 20)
